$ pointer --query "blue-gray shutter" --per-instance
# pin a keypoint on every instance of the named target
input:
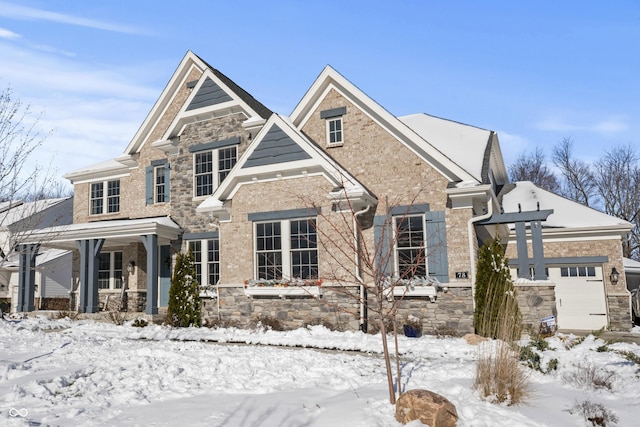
(437, 258)
(382, 237)
(167, 186)
(149, 185)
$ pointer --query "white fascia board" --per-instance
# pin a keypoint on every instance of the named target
(576, 234)
(464, 197)
(331, 79)
(188, 63)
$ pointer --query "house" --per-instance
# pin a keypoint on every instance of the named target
(265, 199)
(52, 267)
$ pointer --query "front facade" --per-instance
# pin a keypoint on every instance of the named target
(285, 215)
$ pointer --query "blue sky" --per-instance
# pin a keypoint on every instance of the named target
(534, 71)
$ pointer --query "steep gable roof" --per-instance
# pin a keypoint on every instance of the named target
(331, 79)
(281, 151)
(466, 145)
(212, 94)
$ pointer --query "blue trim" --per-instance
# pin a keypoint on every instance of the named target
(408, 210)
(286, 214)
(215, 144)
(161, 162)
(200, 236)
(334, 112)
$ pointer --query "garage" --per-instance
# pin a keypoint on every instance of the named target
(580, 297)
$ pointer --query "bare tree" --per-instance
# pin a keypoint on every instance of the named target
(24, 187)
(617, 181)
(577, 179)
(361, 266)
(532, 167)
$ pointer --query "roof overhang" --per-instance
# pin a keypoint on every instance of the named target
(115, 233)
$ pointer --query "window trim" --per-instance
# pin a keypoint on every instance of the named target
(215, 167)
(286, 251)
(396, 248)
(106, 198)
(115, 283)
(203, 239)
(329, 132)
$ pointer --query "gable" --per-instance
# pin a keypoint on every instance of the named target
(208, 94)
(275, 147)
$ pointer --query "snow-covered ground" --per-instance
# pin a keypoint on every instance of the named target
(65, 373)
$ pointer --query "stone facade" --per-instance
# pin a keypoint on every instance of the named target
(536, 300)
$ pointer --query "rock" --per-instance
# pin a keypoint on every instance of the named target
(430, 408)
(473, 339)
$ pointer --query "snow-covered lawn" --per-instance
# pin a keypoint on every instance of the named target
(60, 372)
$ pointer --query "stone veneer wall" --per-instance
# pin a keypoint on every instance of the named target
(619, 312)
(452, 311)
(235, 307)
(536, 301)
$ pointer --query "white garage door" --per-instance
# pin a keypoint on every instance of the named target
(580, 297)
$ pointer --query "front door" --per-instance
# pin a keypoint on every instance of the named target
(165, 275)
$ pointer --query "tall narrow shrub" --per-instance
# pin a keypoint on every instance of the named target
(184, 300)
(497, 313)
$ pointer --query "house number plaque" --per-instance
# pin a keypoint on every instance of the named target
(462, 274)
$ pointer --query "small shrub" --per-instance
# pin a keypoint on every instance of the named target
(598, 333)
(444, 331)
(139, 322)
(499, 376)
(552, 365)
(575, 342)
(67, 314)
(630, 356)
(588, 376)
(212, 322)
(530, 357)
(268, 323)
(602, 349)
(595, 413)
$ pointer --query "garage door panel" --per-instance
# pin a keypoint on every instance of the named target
(581, 303)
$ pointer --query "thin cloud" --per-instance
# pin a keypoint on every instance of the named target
(606, 126)
(8, 34)
(15, 11)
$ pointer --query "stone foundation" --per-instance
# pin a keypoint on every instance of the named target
(619, 312)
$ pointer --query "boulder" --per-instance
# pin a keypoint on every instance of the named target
(473, 339)
(430, 408)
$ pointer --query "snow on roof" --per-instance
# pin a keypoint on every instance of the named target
(465, 145)
(631, 265)
(105, 166)
(44, 256)
(566, 213)
(25, 210)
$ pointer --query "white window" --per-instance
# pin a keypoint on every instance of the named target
(110, 270)
(102, 201)
(159, 184)
(334, 131)
(211, 167)
(410, 246)
(206, 256)
(578, 271)
(286, 249)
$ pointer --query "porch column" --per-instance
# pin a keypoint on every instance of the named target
(89, 252)
(27, 277)
(538, 251)
(522, 250)
(150, 242)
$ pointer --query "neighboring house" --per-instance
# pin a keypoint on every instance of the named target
(250, 193)
(52, 267)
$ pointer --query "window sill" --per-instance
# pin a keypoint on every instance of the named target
(419, 291)
(283, 291)
(335, 145)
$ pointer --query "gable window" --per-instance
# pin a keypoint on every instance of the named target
(212, 162)
(333, 119)
(99, 198)
(206, 256)
(286, 249)
(110, 270)
(410, 250)
(334, 131)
